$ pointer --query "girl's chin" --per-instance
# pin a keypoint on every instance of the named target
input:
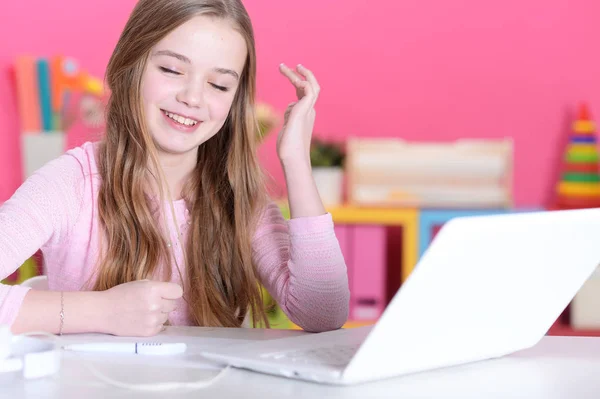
(174, 147)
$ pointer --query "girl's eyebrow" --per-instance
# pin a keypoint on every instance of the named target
(185, 59)
(173, 54)
(226, 71)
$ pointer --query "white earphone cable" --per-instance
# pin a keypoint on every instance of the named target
(155, 387)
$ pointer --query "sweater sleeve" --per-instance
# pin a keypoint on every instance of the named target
(301, 264)
(39, 213)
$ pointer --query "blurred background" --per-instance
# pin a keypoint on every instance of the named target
(429, 110)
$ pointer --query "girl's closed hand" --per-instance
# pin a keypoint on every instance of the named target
(139, 308)
(293, 142)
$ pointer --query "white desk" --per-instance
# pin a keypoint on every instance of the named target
(559, 367)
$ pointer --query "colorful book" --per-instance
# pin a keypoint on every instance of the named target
(45, 94)
(28, 94)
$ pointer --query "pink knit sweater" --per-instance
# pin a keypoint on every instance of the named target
(299, 261)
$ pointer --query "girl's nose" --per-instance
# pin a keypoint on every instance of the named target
(192, 96)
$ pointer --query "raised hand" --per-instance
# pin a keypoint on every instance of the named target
(293, 142)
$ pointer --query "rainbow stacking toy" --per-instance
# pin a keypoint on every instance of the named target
(579, 185)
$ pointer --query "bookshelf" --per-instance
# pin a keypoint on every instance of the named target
(421, 225)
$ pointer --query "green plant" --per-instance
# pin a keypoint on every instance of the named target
(326, 153)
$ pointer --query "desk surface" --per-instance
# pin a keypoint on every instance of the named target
(558, 367)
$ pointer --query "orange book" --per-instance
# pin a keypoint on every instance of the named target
(28, 94)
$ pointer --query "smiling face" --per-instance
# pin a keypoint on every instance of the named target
(189, 83)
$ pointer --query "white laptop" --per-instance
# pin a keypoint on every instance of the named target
(486, 287)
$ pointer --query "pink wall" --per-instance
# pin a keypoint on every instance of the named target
(426, 70)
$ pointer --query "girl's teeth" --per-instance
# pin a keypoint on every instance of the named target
(181, 119)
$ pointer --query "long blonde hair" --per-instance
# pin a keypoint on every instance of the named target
(225, 194)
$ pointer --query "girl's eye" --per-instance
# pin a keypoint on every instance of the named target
(167, 70)
(220, 88)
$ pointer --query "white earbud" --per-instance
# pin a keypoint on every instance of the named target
(8, 364)
(35, 357)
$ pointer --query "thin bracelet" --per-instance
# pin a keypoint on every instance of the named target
(62, 313)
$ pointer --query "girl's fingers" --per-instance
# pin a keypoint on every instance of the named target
(303, 87)
(310, 77)
(294, 78)
(168, 305)
(163, 318)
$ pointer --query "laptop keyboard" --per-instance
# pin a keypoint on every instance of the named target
(337, 355)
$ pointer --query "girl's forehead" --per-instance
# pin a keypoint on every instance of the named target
(207, 40)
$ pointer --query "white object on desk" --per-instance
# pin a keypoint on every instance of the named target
(141, 348)
(33, 358)
(556, 368)
(487, 286)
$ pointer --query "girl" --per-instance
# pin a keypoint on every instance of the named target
(166, 219)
